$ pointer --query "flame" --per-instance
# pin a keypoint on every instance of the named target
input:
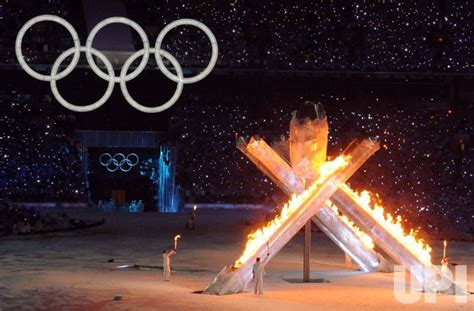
(364, 237)
(262, 235)
(415, 245)
(195, 207)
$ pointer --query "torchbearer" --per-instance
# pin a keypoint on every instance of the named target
(258, 274)
(190, 224)
(167, 261)
(445, 260)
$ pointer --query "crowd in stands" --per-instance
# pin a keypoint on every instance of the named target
(425, 168)
(47, 40)
(40, 159)
(322, 35)
(267, 34)
(16, 219)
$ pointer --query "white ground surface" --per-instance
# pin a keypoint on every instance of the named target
(69, 271)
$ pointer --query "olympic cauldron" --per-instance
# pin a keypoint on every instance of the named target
(319, 193)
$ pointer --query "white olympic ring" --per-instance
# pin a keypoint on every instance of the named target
(110, 75)
(117, 20)
(118, 164)
(21, 58)
(98, 103)
(210, 35)
(169, 103)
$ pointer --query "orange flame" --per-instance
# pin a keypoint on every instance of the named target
(262, 235)
(366, 239)
(415, 245)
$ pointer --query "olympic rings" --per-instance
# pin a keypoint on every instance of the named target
(120, 20)
(169, 103)
(97, 104)
(110, 75)
(209, 34)
(21, 58)
(118, 164)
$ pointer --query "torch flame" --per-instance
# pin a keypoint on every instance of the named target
(262, 235)
(415, 245)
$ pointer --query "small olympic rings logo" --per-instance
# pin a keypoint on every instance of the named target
(118, 161)
(110, 75)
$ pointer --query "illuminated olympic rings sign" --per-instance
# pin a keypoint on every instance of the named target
(118, 161)
(110, 75)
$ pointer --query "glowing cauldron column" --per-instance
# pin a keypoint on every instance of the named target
(419, 265)
(269, 162)
(233, 279)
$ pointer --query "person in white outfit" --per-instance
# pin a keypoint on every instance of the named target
(258, 273)
(166, 263)
(445, 265)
